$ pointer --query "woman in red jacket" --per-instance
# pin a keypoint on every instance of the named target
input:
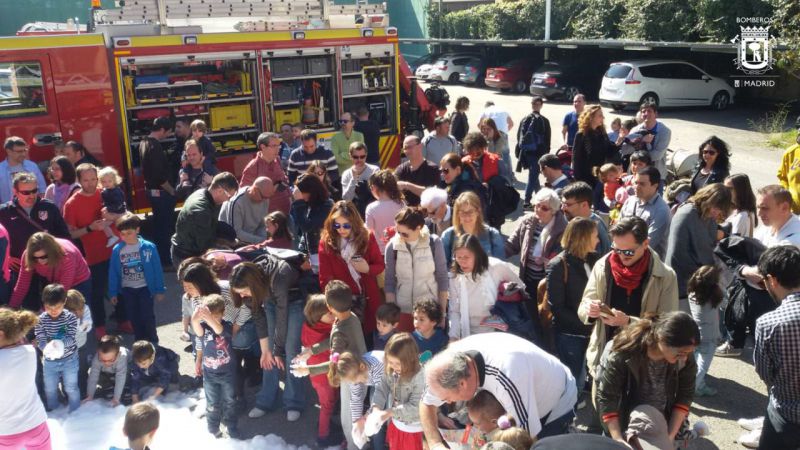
(349, 252)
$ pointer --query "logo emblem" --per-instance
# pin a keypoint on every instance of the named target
(42, 215)
(755, 50)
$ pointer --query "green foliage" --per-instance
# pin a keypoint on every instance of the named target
(599, 19)
(716, 19)
(787, 26)
(657, 20)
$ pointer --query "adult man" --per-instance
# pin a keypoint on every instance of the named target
(648, 205)
(576, 201)
(196, 174)
(245, 211)
(440, 216)
(533, 141)
(553, 173)
(651, 135)
(77, 155)
(502, 120)
(789, 171)
(631, 281)
(267, 164)
(372, 135)
(531, 384)
(196, 228)
(340, 142)
(86, 219)
(287, 144)
(569, 126)
(359, 172)
(416, 173)
(175, 155)
(777, 347)
(309, 152)
(156, 172)
(439, 143)
(16, 161)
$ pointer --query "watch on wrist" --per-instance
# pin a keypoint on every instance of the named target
(88, 229)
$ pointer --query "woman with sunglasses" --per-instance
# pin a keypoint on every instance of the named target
(713, 164)
(468, 219)
(649, 370)
(379, 215)
(416, 267)
(57, 261)
(458, 177)
(318, 168)
(310, 207)
(349, 252)
(473, 287)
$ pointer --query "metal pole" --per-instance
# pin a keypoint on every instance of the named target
(547, 10)
(441, 21)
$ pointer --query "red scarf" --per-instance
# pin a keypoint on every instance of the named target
(629, 278)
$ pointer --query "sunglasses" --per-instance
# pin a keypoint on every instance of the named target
(709, 152)
(29, 192)
(628, 253)
(338, 226)
(40, 258)
(445, 171)
(358, 157)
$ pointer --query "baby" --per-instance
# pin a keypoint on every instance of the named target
(113, 198)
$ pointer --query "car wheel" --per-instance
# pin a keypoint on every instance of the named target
(571, 92)
(617, 107)
(520, 87)
(720, 101)
(649, 98)
(453, 78)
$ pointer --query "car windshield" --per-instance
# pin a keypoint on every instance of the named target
(550, 67)
(514, 63)
(440, 62)
(618, 71)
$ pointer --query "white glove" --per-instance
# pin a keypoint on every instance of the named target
(374, 423)
(359, 437)
(54, 349)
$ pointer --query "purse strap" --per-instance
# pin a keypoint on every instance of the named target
(28, 218)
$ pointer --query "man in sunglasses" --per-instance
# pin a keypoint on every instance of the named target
(17, 161)
(245, 211)
(340, 142)
(359, 173)
(625, 284)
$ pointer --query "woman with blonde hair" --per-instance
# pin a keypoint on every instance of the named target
(468, 219)
(592, 148)
(57, 261)
(349, 252)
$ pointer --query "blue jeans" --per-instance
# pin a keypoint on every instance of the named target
(163, 223)
(294, 389)
(703, 354)
(778, 433)
(557, 426)
(533, 175)
(246, 338)
(571, 350)
(66, 370)
(138, 304)
(506, 162)
(220, 400)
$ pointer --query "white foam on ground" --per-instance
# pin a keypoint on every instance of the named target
(95, 425)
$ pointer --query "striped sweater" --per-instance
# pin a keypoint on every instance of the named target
(299, 161)
(64, 327)
(358, 391)
(72, 271)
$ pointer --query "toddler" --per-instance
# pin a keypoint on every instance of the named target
(76, 304)
(204, 144)
(141, 424)
(153, 368)
(113, 198)
(56, 338)
(109, 371)
(516, 438)
(487, 416)
(609, 176)
(705, 296)
(639, 160)
(430, 338)
(616, 125)
(387, 318)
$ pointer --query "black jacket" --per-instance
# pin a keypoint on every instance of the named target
(44, 212)
(459, 125)
(503, 200)
(717, 175)
(565, 298)
(589, 151)
(529, 129)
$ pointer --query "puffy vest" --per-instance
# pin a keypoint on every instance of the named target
(414, 271)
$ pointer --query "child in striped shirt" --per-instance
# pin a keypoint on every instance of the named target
(361, 372)
(55, 337)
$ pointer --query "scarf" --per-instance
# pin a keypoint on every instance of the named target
(348, 251)
(629, 278)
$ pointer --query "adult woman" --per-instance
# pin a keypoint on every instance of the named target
(318, 168)
(468, 219)
(458, 177)
(498, 144)
(592, 148)
(567, 275)
(743, 219)
(416, 267)
(713, 164)
(379, 214)
(57, 261)
(473, 287)
(349, 252)
(23, 420)
(693, 234)
(63, 181)
(459, 126)
(310, 207)
(649, 362)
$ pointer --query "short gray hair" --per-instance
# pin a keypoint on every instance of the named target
(453, 368)
(265, 137)
(432, 197)
(548, 195)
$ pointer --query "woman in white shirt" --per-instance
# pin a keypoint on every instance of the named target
(743, 218)
(474, 281)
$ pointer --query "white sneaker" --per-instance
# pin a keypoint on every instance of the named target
(292, 415)
(185, 337)
(726, 350)
(701, 429)
(750, 439)
(256, 412)
(751, 424)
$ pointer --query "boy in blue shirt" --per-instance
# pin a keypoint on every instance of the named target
(430, 338)
(387, 317)
(153, 369)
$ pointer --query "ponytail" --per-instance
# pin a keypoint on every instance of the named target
(637, 336)
(344, 366)
(674, 329)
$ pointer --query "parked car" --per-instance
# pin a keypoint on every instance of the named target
(474, 72)
(513, 75)
(424, 59)
(423, 71)
(448, 68)
(663, 82)
(565, 80)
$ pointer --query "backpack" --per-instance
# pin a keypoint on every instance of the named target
(438, 96)
(510, 309)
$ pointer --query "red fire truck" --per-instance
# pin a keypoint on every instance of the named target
(103, 89)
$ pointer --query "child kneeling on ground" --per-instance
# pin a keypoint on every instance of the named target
(153, 369)
(109, 372)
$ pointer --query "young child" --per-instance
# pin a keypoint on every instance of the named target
(316, 329)
(609, 176)
(616, 124)
(218, 369)
(430, 338)
(153, 368)
(199, 130)
(109, 371)
(639, 160)
(360, 372)
(388, 317)
(399, 392)
(487, 416)
(517, 438)
(135, 275)
(141, 424)
(113, 198)
(55, 336)
(76, 304)
(705, 296)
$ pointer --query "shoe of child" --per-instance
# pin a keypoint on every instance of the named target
(215, 432)
(292, 415)
(705, 391)
(701, 429)
(112, 241)
(750, 439)
(751, 424)
(233, 433)
(185, 337)
(727, 350)
(256, 412)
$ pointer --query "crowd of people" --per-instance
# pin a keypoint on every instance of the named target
(394, 287)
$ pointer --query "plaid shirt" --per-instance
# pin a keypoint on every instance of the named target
(777, 356)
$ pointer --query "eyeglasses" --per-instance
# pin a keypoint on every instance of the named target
(468, 212)
(444, 170)
(22, 150)
(28, 192)
(40, 257)
(628, 253)
(544, 208)
(337, 226)
(709, 152)
(568, 204)
(430, 213)
(358, 157)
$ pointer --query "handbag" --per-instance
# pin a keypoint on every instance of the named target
(545, 313)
